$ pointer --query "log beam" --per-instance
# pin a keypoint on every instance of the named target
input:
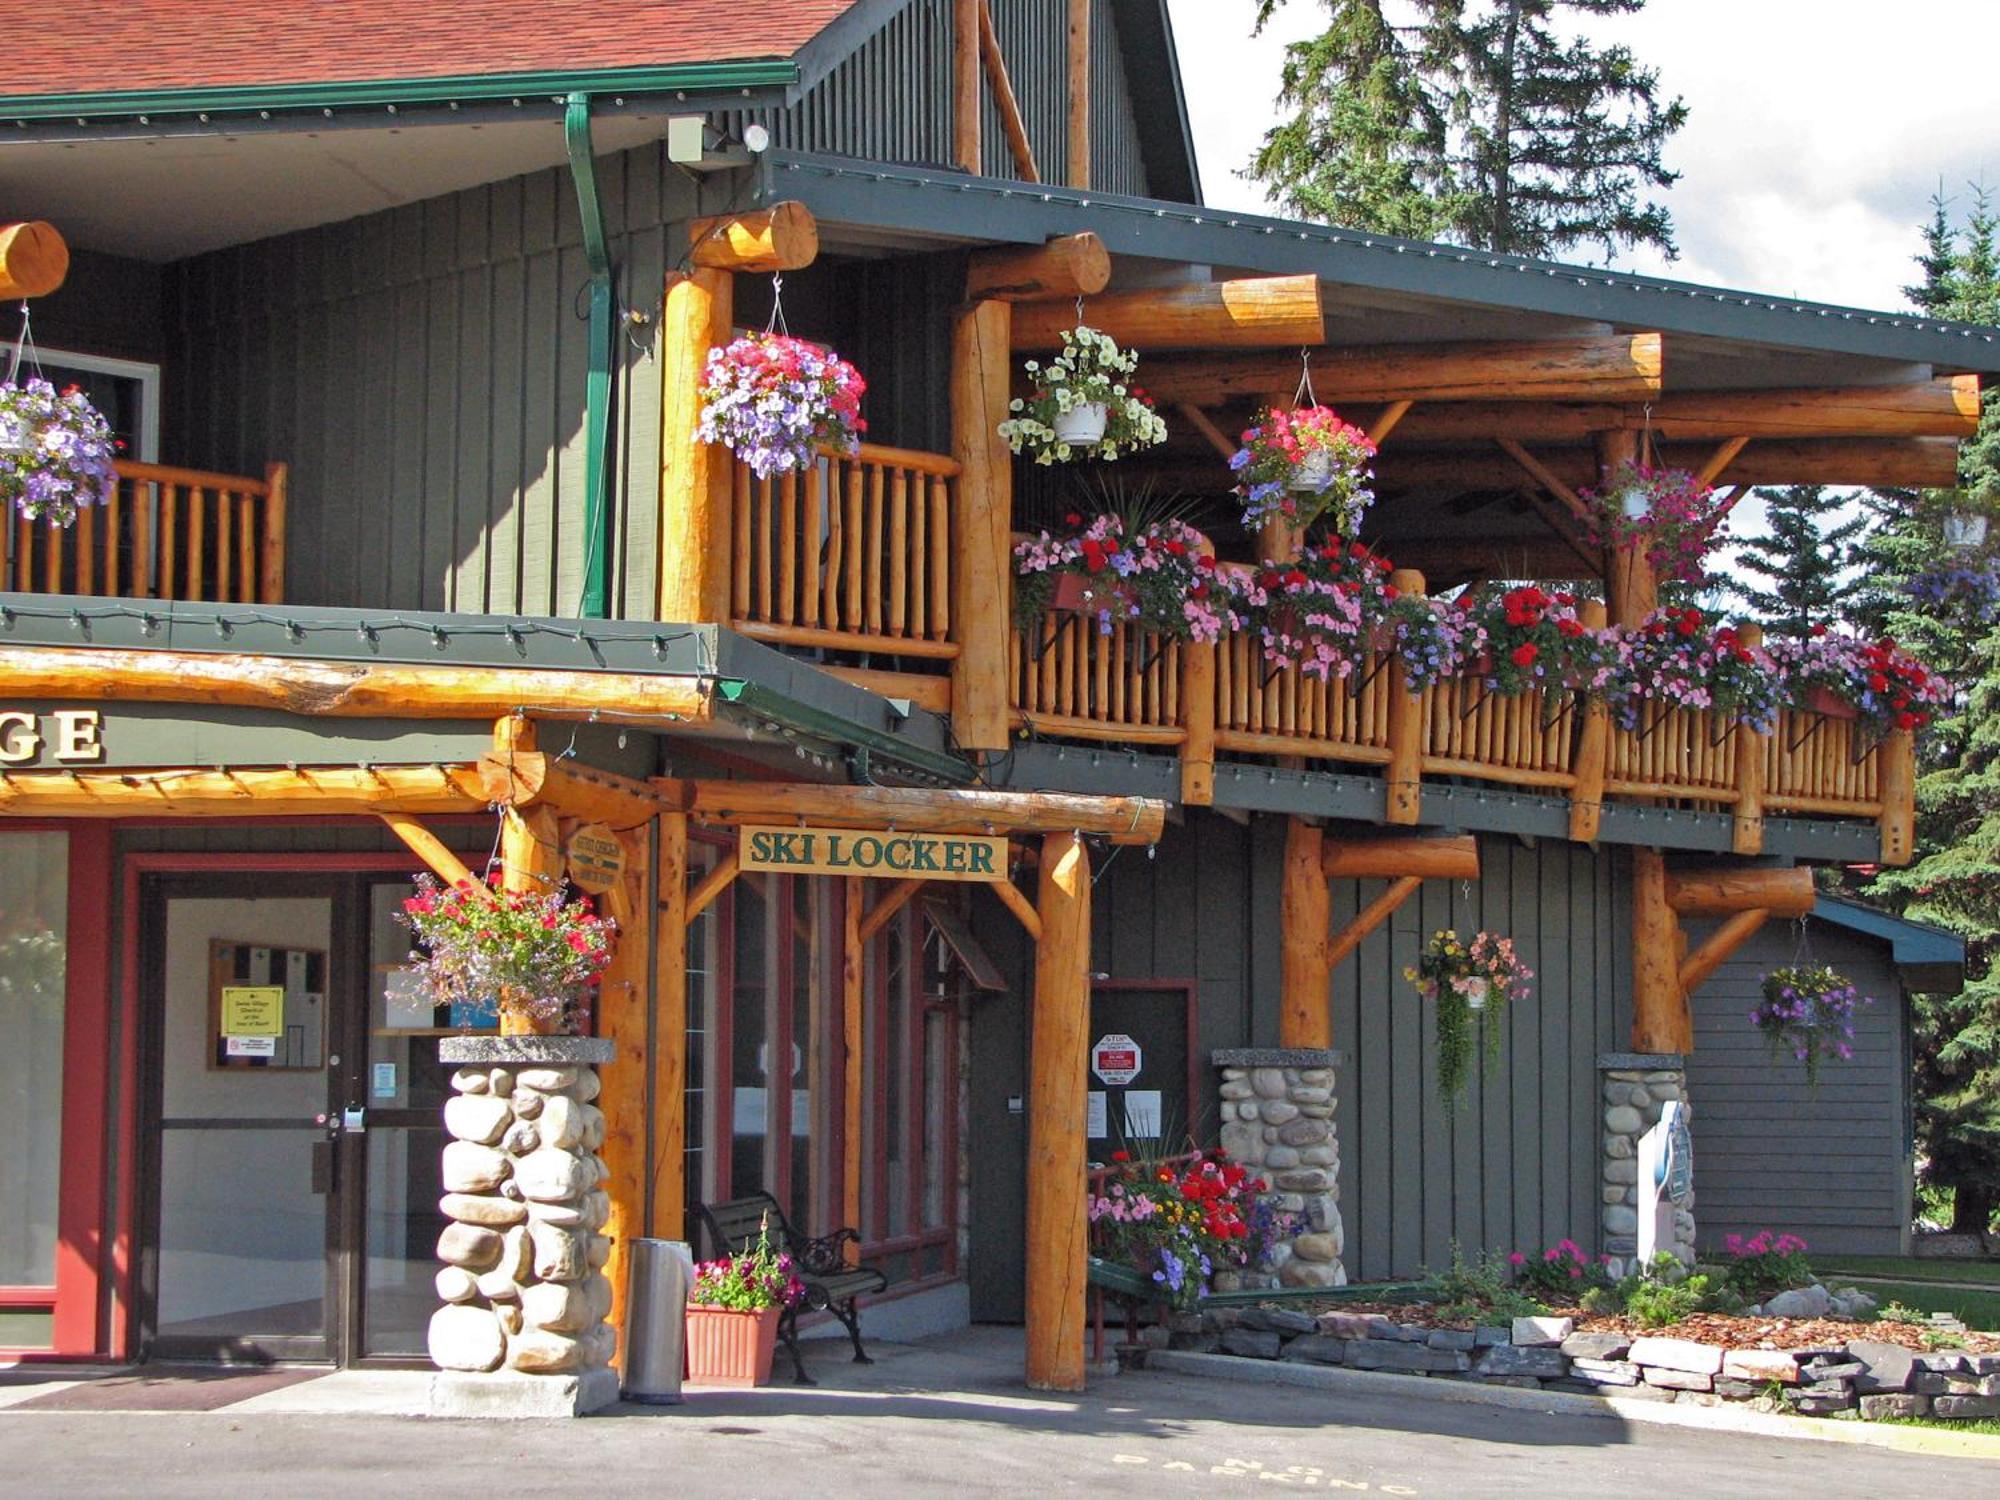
(697, 479)
(1071, 265)
(713, 884)
(1372, 916)
(347, 690)
(1725, 940)
(520, 778)
(34, 260)
(1305, 966)
(312, 792)
(429, 848)
(783, 237)
(1201, 422)
(1782, 892)
(1536, 470)
(1451, 858)
(878, 916)
(1609, 367)
(1003, 99)
(1123, 820)
(1259, 313)
(1058, 1219)
(1891, 463)
(1023, 909)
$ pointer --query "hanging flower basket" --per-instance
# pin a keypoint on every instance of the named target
(1964, 529)
(1468, 985)
(731, 1347)
(1084, 404)
(774, 401)
(1303, 466)
(57, 454)
(1669, 514)
(1808, 1010)
(536, 959)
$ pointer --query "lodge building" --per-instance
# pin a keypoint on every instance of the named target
(416, 562)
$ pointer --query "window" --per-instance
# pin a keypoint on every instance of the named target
(34, 936)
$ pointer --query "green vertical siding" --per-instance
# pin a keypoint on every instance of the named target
(422, 370)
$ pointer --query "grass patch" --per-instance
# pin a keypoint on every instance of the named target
(1985, 1426)
(1909, 1268)
(1977, 1310)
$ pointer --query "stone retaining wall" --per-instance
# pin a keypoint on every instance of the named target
(1277, 1117)
(1867, 1378)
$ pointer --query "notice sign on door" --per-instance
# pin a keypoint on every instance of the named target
(1115, 1059)
(882, 855)
(253, 1010)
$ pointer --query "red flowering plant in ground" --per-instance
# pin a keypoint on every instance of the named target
(1181, 1220)
(1881, 683)
(1765, 1264)
(1534, 639)
(1671, 513)
(538, 956)
(1560, 1274)
(1324, 612)
(1685, 658)
(1161, 577)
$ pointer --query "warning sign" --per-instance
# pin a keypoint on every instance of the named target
(1115, 1059)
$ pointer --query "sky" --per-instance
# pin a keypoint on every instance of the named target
(1816, 133)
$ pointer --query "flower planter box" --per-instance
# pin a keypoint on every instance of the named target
(1078, 594)
(730, 1348)
(1825, 701)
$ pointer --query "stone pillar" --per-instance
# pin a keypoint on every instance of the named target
(1636, 1085)
(522, 1331)
(1278, 1120)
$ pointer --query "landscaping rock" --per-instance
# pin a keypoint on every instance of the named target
(1761, 1366)
(1459, 1339)
(1945, 1362)
(1543, 1362)
(1279, 1320)
(465, 1338)
(1888, 1367)
(1251, 1343)
(1677, 1354)
(1801, 1302)
(1344, 1325)
(1833, 1369)
(1315, 1348)
(1874, 1408)
(1381, 1354)
(1486, 1336)
(1542, 1332)
(1678, 1380)
(1598, 1346)
(1822, 1406)
(1605, 1371)
(1973, 1385)
(1852, 1302)
(1195, 1343)
(1966, 1407)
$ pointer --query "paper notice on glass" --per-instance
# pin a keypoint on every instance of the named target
(1142, 1114)
(1095, 1126)
(250, 1046)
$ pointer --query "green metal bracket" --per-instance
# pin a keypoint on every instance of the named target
(595, 604)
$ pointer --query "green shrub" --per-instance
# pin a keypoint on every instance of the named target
(1477, 1291)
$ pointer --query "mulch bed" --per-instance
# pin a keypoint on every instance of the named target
(1727, 1331)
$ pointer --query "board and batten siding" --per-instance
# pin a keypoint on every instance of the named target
(422, 371)
(890, 100)
(1832, 1164)
(1513, 1164)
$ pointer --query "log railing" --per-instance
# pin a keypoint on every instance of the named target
(165, 533)
(851, 554)
(1070, 676)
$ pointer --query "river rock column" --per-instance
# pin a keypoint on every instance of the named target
(522, 1331)
(1636, 1085)
(1278, 1120)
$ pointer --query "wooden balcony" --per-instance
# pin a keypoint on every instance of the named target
(165, 534)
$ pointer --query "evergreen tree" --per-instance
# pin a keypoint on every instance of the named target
(1474, 122)
(1804, 563)
(1954, 881)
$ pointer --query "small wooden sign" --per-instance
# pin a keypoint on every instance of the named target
(596, 859)
(873, 853)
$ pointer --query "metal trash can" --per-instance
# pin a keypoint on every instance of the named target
(656, 1320)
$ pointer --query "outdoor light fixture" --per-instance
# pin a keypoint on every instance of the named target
(700, 147)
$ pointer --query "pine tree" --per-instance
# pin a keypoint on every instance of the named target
(1474, 123)
(1954, 881)
(1805, 561)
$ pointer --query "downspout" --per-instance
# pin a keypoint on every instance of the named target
(597, 382)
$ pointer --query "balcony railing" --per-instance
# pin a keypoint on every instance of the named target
(165, 533)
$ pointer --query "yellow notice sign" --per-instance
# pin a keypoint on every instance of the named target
(596, 859)
(868, 852)
(253, 1010)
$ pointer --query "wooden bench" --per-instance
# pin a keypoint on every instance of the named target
(820, 1264)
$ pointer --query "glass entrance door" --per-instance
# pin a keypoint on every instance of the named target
(246, 1050)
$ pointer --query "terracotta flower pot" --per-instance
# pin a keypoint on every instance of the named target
(730, 1348)
(1078, 594)
(1821, 700)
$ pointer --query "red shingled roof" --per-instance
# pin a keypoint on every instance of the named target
(106, 46)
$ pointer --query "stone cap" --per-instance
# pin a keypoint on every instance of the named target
(1643, 1062)
(1278, 1057)
(533, 1051)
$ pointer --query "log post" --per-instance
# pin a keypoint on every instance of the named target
(696, 478)
(668, 1162)
(1659, 1005)
(1404, 775)
(271, 584)
(1593, 748)
(623, 996)
(1305, 910)
(1057, 1187)
(1079, 93)
(965, 101)
(530, 849)
(1898, 788)
(1629, 583)
(853, 999)
(982, 565)
(1747, 827)
(1198, 716)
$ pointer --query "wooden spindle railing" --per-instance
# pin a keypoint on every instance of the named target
(1071, 676)
(850, 554)
(165, 533)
